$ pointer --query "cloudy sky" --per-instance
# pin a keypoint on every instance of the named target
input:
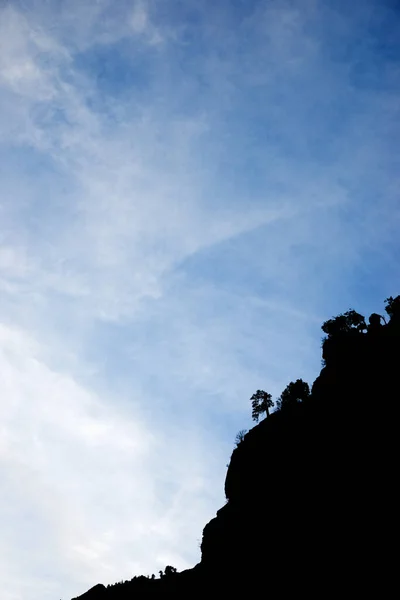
(187, 190)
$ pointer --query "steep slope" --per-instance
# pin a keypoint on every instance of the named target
(311, 492)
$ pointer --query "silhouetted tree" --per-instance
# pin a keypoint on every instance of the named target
(240, 436)
(375, 323)
(393, 307)
(294, 393)
(170, 571)
(344, 323)
(261, 402)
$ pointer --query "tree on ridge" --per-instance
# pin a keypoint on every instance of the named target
(261, 402)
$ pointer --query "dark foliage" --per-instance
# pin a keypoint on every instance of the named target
(393, 307)
(344, 323)
(294, 393)
(240, 436)
(261, 402)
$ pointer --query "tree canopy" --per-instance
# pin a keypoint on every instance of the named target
(344, 323)
(294, 393)
(393, 307)
(261, 402)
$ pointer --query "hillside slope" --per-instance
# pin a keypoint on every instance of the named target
(311, 492)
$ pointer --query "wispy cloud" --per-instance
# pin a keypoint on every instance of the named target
(186, 192)
(82, 477)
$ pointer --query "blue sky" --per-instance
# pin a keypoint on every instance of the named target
(187, 192)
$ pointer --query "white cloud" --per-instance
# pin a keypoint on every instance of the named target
(94, 494)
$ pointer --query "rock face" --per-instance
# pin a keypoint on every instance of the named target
(311, 492)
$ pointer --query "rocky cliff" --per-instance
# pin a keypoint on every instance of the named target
(311, 492)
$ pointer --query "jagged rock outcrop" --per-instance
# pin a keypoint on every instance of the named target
(311, 492)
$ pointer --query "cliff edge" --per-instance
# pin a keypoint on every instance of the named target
(311, 491)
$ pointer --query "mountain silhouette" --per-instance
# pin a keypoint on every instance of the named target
(311, 492)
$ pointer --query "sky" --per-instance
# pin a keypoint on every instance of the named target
(187, 191)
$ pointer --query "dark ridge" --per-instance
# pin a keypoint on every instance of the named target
(311, 490)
